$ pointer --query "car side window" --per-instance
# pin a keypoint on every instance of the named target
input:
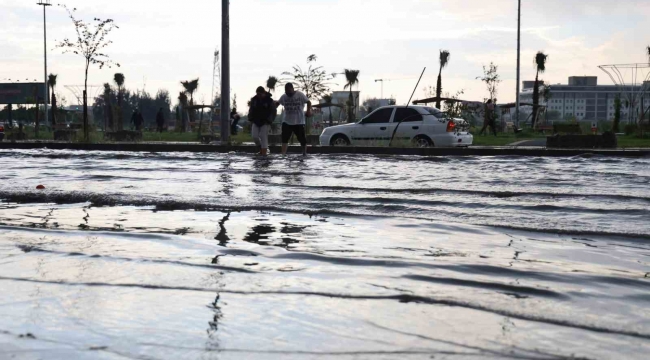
(407, 115)
(378, 117)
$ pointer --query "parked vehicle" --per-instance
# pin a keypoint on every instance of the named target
(2, 132)
(422, 126)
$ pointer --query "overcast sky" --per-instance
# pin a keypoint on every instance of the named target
(160, 43)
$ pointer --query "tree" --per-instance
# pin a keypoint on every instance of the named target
(51, 81)
(190, 88)
(271, 83)
(491, 79)
(444, 60)
(314, 81)
(351, 79)
(182, 100)
(108, 107)
(90, 44)
(119, 79)
(540, 64)
(648, 53)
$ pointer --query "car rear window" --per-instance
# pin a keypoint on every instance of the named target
(433, 111)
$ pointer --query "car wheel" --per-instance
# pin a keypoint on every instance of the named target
(422, 141)
(339, 140)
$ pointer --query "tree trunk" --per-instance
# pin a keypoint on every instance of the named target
(53, 108)
(85, 100)
(439, 89)
(535, 99)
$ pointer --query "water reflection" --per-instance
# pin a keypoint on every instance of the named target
(222, 236)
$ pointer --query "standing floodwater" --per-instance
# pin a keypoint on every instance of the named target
(230, 256)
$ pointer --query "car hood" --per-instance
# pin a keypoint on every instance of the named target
(338, 127)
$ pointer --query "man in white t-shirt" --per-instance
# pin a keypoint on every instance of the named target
(294, 117)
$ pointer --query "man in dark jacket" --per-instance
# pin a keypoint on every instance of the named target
(139, 121)
(160, 120)
(261, 115)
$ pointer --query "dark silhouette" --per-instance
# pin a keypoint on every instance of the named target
(137, 120)
(160, 120)
(489, 118)
(234, 120)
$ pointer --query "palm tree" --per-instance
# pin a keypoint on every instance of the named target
(51, 81)
(271, 82)
(119, 78)
(351, 78)
(190, 88)
(328, 104)
(444, 61)
(540, 64)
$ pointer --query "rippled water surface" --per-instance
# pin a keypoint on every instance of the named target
(230, 256)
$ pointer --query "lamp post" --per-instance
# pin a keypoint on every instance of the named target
(518, 62)
(225, 71)
(45, 4)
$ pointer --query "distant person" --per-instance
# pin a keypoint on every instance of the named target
(160, 120)
(489, 118)
(261, 115)
(294, 117)
(139, 122)
(234, 121)
(134, 117)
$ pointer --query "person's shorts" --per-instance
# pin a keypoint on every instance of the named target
(288, 130)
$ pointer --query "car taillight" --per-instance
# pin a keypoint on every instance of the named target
(2, 129)
(451, 126)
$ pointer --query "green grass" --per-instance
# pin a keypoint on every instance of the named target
(631, 141)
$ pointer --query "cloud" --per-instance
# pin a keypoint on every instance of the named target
(162, 43)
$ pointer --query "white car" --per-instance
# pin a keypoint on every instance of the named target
(422, 126)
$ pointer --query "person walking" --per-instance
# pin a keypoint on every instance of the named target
(489, 118)
(294, 118)
(160, 120)
(234, 120)
(139, 121)
(261, 114)
(134, 117)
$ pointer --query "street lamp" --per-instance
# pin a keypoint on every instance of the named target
(518, 62)
(45, 4)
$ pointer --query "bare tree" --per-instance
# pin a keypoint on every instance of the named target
(90, 44)
(491, 79)
(314, 81)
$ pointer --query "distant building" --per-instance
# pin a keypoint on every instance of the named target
(585, 100)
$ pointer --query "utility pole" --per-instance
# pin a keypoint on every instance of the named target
(518, 62)
(225, 71)
(45, 4)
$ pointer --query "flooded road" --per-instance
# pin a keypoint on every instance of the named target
(228, 256)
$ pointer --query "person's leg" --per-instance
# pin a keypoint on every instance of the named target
(264, 139)
(286, 135)
(299, 130)
(494, 127)
(485, 125)
(255, 133)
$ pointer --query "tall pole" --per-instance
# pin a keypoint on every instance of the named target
(225, 71)
(518, 62)
(45, 3)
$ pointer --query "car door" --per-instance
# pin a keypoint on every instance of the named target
(375, 129)
(411, 124)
